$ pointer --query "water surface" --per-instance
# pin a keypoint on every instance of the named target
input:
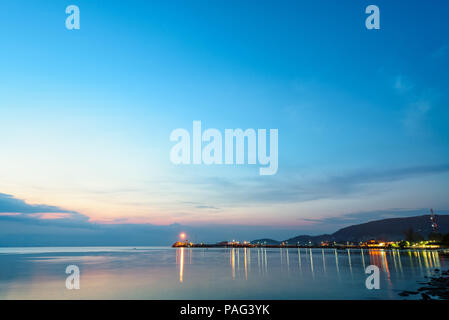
(197, 273)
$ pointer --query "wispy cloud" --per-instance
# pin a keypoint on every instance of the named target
(39, 228)
(402, 84)
(291, 189)
(20, 230)
(441, 52)
(207, 207)
(10, 204)
(419, 101)
(415, 115)
(373, 176)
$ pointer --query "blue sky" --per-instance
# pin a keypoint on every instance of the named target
(86, 115)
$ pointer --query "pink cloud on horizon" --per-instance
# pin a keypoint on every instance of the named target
(50, 215)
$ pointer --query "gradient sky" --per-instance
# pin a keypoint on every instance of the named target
(86, 115)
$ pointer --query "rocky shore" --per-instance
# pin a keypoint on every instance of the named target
(437, 287)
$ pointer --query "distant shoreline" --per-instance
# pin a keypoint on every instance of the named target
(343, 247)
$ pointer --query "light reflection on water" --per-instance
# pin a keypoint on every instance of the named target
(228, 273)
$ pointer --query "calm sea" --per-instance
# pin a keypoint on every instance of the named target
(169, 273)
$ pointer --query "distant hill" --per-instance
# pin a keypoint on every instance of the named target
(305, 239)
(266, 241)
(392, 229)
(387, 229)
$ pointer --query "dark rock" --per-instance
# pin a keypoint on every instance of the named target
(437, 287)
(425, 296)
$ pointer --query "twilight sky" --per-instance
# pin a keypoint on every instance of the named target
(86, 116)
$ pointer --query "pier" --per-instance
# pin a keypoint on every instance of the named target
(186, 244)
